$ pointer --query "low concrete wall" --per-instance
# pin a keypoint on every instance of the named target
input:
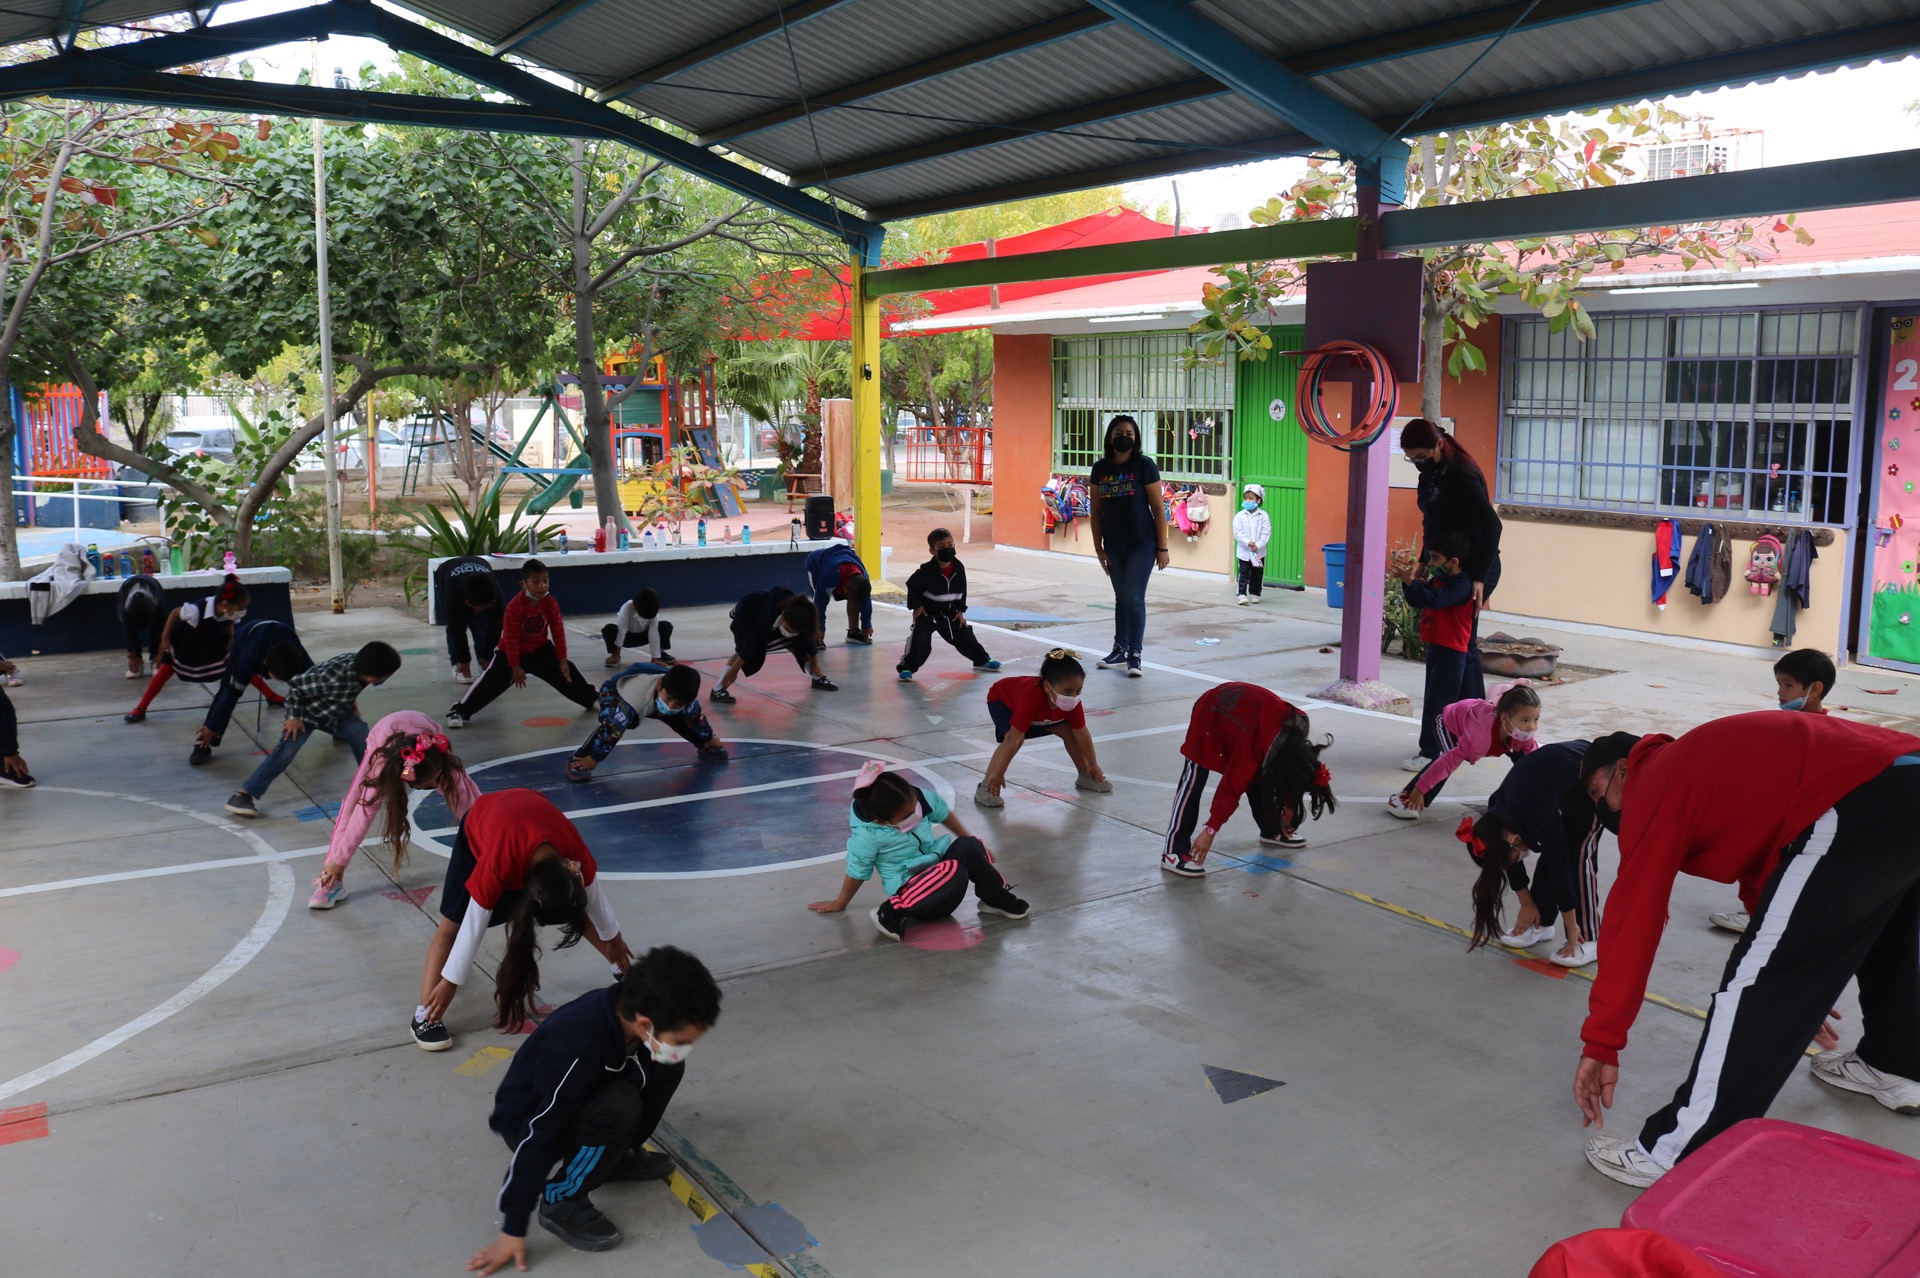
(89, 623)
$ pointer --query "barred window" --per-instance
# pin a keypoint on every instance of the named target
(1185, 415)
(1749, 413)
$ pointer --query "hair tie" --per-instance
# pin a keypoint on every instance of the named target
(1465, 834)
(1321, 777)
(869, 773)
(1062, 654)
(416, 753)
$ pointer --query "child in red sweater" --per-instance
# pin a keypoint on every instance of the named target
(532, 640)
(1258, 744)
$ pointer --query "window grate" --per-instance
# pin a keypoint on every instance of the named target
(1185, 414)
(1745, 413)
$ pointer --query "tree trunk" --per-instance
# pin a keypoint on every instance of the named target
(9, 535)
(595, 419)
(810, 431)
(1433, 370)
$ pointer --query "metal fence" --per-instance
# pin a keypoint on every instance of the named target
(949, 454)
(1185, 414)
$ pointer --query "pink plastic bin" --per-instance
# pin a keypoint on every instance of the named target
(1767, 1199)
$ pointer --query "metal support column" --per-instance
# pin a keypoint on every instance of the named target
(866, 421)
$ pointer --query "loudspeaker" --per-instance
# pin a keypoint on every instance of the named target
(819, 517)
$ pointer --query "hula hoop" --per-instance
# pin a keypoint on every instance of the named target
(1380, 410)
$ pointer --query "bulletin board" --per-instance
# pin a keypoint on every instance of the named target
(1893, 547)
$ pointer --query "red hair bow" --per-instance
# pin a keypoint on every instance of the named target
(1321, 777)
(415, 754)
(1475, 844)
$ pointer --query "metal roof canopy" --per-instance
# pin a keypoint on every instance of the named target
(907, 107)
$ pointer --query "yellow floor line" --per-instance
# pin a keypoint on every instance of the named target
(695, 1201)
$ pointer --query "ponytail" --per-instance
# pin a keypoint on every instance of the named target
(404, 763)
(233, 591)
(878, 795)
(553, 897)
(1486, 841)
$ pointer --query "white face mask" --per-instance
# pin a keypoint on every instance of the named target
(666, 1053)
(1517, 735)
(907, 823)
(1064, 703)
(781, 626)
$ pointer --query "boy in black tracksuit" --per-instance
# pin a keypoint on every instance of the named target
(585, 1091)
(253, 657)
(937, 598)
(772, 621)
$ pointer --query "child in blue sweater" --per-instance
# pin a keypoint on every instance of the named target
(924, 870)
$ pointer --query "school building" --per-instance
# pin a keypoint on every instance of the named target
(1771, 400)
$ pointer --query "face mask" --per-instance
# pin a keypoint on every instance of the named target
(1798, 703)
(1064, 703)
(667, 1053)
(907, 823)
(1249, 505)
(1516, 735)
(781, 626)
(946, 554)
(1439, 572)
(1123, 444)
(660, 704)
(237, 617)
(1425, 467)
(1609, 819)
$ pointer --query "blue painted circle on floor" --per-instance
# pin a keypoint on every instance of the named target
(653, 810)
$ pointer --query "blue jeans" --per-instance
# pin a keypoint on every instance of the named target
(352, 730)
(1129, 567)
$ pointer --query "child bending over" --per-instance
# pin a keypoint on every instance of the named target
(1048, 705)
(1469, 732)
(671, 695)
(406, 753)
(639, 624)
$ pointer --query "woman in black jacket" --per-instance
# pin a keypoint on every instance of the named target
(1453, 497)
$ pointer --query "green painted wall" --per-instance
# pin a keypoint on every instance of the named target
(643, 409)
(1273, 453)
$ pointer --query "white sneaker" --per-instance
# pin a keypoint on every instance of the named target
(982, 798)
(1242, 601)
(1730, 920)
(457, 676)
(1415, 763)
(133, 674)
(1527, 937)
(1395, 808)
(1621, 1158)
(1584, 953)
(1848, 1072)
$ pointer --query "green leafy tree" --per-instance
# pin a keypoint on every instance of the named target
(1464, 282)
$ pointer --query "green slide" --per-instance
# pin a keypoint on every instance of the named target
(556, 492)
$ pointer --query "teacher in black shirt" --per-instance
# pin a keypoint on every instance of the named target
(1129, 522)
(1452, 496)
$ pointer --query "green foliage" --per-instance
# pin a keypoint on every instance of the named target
(202, 534)
(475, 529)
(1400, 619)
(681, 487)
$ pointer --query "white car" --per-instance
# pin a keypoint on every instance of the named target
(352, 452)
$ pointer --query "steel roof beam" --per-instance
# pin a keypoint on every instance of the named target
(541, 23)
(793, 15)
(66, 27)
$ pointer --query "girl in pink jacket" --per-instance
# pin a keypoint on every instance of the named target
(406, 751)
(1469, 732)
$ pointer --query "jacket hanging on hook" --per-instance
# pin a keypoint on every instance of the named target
(1666, 559)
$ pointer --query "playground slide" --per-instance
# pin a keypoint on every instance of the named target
(500, 451)
(556, 492)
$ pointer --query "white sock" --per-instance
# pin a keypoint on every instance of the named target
(420, 1012)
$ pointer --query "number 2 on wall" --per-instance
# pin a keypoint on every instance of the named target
(1907, 375)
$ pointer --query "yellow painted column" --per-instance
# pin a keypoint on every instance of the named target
(866, 422)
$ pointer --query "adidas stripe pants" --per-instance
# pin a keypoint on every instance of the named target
(1843, 902)
(613, 1119)
(936, 892)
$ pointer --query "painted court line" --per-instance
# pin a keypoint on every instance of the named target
(161, 871)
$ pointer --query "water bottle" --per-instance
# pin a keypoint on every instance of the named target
(646, 540)
(599, 541)
(623, 539)
(147, 565)
(610, 534)
(107, 569)
(561, 539)
(700, 533)
(228, 563)
(726, 532)
(533, 542)
(676, 536)
(176, 559)
(93, 556)
(746, 534)
(126, 564)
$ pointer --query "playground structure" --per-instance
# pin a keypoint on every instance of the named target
(50, 470)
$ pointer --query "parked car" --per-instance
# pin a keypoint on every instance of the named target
(211, 442)
(352, 453)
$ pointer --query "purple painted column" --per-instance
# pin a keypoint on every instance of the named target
(1366, 568)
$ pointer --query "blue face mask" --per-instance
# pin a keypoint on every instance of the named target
(1249, 505)
(1798, 703)
(660, 704)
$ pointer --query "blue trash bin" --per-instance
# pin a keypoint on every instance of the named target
(1336, 553)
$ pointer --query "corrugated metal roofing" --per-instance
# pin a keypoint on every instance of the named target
(1070, 97)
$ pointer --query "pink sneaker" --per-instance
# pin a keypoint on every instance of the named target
(324, 897)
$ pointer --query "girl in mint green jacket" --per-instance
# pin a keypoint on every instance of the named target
(892, 829)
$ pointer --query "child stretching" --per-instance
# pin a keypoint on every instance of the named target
(835, 572)
(325, 699)
(937, 597)
(532, 640)
(1540, 807)
(1469, 732)
(1445, 600)
(405, 753)
(924, 871)
(1802, 679)
(639, 623)
(1252, 530)
(142, 608)
(194, 644)
(474, 615)
(1258, 744)
(263, 648)
(672, 696)
(584, 1092)
(1026, 706)
(770, 621)
(13, 768)
(516, 860)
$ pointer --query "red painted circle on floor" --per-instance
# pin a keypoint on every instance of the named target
(944, 934)
(546, 721)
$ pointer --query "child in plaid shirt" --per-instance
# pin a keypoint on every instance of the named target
(324, 698)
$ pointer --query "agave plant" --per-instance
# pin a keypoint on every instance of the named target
(474, 530)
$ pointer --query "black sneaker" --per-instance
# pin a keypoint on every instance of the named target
(1133, 665)
(241, 804)
(887, 922)
(713, 754)
(1118, 657)
(721, 697)
(642, 1164)
(201, 755)
(454, 719)
(824, 684)
(431, 1036)
(859, 639)
(579, 1224)
(1007, 907)
(135, 716)
(17, 780)
(1285, 840)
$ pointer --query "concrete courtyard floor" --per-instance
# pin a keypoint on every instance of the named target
(229, 1087)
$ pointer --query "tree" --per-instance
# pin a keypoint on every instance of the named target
(998, 221)
(1465, 281)
(784, 371)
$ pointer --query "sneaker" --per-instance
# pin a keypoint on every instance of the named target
(1133, 665)
(454, 671)
(577, 776)
(135, 716)
(668, 659)
(1292, 839)
(1583, 954)
(1241, 601)
(1092, 785)
(242, 804)
(713, 754)
(579, 1224)
(989, 665)
(13, 680)
(642, 1164)
(1114, 659)
(823, 684)
(1525, 938)
(1395, 808)
(1415, 763)
(1621, 1158)
(200, 756)
(613, 659)
(905, 676)
(887, 924)
(859, 639)
(274, 699)
(17, 780)
(983, 799)
(431, 1036)
(324, 897)
(1184, 866)
(1730, 920)
(1007, 907)
(721, 697)
(133, 674)
(454, 719)
(1848, 1072)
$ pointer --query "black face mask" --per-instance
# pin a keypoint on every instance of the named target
(1426, 467)
(1609, 819)
(1122, 444)
(946, 554)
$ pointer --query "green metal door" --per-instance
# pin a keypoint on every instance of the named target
(1273, 452)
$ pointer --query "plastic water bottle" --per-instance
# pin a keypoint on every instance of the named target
(746, 534)
(561, 539)
(533, 542)
(146, 563)
(107, 568)
(176, 559)
(646, 540)
(610, 535)
(228, 563)
(700, 533)
(93, 556)
(599, 541)
(126, 565)
(623, 539)
(676, 536)
(726, 532)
